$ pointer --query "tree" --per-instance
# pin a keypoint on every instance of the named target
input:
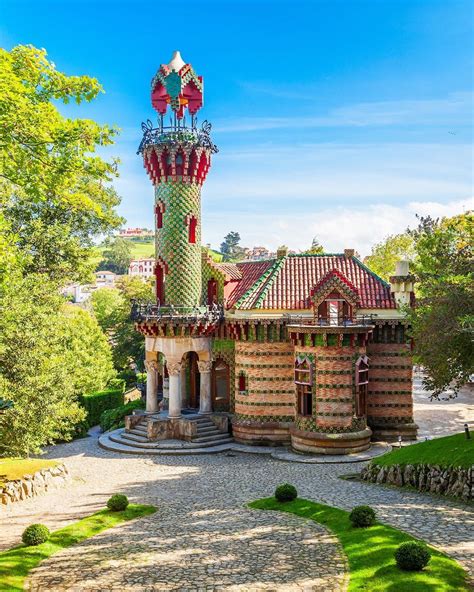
(316, 248)
(230, 248)
(442, 321)
(55, 190)
(385, 254)
(116, 256)
(112, 310)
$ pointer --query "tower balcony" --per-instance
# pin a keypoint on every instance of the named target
(176, 321)
(331, 323)
(177, 134)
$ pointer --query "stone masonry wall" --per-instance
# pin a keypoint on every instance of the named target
(269, 372)
(32, 485)
(451, 481)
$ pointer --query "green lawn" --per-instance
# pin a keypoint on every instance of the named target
(450, 451)
(370, 552)
(15, 468)
(16, 563)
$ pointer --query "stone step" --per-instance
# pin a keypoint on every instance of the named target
(134, 437)
(108, 443)
(141, 429)
(213, 438)
(206, 431)
(147, 445)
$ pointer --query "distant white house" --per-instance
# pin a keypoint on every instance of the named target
(105, 279)
(143, 268)
(80, 293)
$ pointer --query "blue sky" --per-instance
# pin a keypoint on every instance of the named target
(340, 119)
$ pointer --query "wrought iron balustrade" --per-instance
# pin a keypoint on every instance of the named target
(331, 321)
(144, 311)
(193, 136)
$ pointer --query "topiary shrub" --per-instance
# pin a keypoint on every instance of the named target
(118, 502)
(111, 419)
(286, 493)
(96, 403)
(35, 534)
(362, 516)
(412, 556)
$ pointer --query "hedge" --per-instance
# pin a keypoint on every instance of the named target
(96, 403)
(114, 418)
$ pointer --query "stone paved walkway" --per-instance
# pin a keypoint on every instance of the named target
(202, 537)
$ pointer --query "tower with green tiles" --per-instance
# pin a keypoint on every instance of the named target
(177, 156)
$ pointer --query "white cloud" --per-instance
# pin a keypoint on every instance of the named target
(455, 109)
(337, 228)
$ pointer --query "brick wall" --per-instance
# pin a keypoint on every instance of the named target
(268, 367)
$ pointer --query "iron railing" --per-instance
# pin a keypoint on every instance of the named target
(144, 311)
(329, 321)
(192, 136)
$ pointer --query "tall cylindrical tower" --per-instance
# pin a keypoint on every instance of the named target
(177, 157)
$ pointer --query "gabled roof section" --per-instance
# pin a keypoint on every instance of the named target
(251, 272)
(287, 283)
(334, 280)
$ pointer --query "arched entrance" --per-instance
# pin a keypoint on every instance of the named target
(194, 380)
(220, 385)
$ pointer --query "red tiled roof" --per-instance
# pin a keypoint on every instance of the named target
(287, 283)
(250, 272)
(231, 271)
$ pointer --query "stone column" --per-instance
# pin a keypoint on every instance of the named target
(205, 404)
(166, 394)
(174, 369)
(151, 383)
(182, 385)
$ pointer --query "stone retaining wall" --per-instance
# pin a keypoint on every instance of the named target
(32, 485)
(455, 482)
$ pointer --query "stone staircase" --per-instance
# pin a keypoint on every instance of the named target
(135, 441)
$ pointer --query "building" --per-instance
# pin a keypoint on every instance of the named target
(307, 350)
(105, 279)
(258, 253)
(135, 233)
(144, 268)
(80, 293)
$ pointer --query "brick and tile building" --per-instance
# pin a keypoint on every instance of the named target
(307, 350)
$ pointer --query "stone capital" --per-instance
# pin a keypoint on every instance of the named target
(174, 368)
(204, 366)
(151, 365)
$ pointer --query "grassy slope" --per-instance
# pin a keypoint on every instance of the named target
(143, 249)
(370, 552)
(16, 563)
(15, 468)
(455, 451)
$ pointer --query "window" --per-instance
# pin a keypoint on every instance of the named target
(220, 385)
(242, 382)
(362, 385)
(304, 391)
(159, 210)
(192, 229)
(211, 292)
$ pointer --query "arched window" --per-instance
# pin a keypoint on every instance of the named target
(304, 387)
(179, 164)
(160, 270)
(362, 385)
(192, 229)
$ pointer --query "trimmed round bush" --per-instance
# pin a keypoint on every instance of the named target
(362, 516)
(412, 556)
(286, 493)
(35, 534)
(117, 502)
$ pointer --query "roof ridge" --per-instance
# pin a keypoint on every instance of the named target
(275, 268)
(258, 282)
(372, 273)
(316, 255)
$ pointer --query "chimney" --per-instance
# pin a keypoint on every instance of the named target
(282, 252)
(402, 284)
(349, 253)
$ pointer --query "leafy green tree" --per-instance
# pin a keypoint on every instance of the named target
(116, 256)
(385, 254)
(443, 319)
(230, 248)
(112, 310)
(33, 373)
(55, 190)
(87, 354)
